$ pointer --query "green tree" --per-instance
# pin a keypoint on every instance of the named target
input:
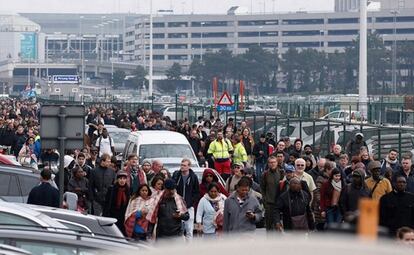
(405, 56)
(174, 72)
(118, 78)
(290, 66)
(140, 76)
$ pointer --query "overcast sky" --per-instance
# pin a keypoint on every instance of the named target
(179, 6)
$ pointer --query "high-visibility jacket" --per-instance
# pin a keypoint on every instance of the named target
(220, 149)
(239, 154)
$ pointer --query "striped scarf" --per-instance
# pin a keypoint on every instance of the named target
(153, 212)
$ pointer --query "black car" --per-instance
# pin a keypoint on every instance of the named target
(17, 182)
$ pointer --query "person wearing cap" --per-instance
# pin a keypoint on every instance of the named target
(269, 185)
(100, 180)
(289, 174)
(261, 154)
(188, 189)
(292, 210)
(397, 207)
(117, 199)
(377, 184)
(235, 177)
(351, 194)
(168, 212)
(354, 146)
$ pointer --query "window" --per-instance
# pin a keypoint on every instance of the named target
(343, 32)
(209, 46)
(27, 183)
(343, 21)
(209, 24)
(248, 34)
(405, 31)
(165, 151)
(302, 44)
(302, 21)
(339, 44)
(309, 130)
(57, 90)
(158, 35)
(177, 46)
(158, 46)
(158, 57)
(385, 31)
(302, 33)
(384, 19)
(177, 57)
(258, 22)
(209, 35)
(178, 35)
(12, 219)
(177, 24)
(9, 186)
(158, 24)
(47, 248)
(14, 186)
(4, 179)
(75, 90)
(287, 131)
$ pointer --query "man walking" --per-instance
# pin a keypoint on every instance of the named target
(188, 189)
(241, 211)
(269, 186)
(221, 150)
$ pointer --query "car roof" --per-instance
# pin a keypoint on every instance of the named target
(158, 137)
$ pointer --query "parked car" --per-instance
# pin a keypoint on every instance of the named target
(343, 115)
(41, 242)
(85, 223)
(170, 112)
(17, 182)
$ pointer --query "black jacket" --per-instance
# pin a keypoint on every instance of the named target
(44, 194)
(299, 205)
(110, 208)
(195, 144)
(261, 147)
(192, 188)
(397, 210)
(18, 142)
(100, 180)
(7, 137)
(167, 225)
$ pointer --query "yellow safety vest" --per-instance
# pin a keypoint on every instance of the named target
(240, 154)
(220, 150)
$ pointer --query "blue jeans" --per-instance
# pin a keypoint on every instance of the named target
(259, 170)
(333, 215)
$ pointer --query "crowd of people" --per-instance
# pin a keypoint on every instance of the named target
(247, 183)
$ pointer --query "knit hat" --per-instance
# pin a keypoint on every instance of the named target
(146, 161)
(121, 173)
(170, 184)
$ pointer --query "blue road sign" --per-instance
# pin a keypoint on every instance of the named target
(226, 108)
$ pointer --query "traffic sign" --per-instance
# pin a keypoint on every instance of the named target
(225, 99)
(226, 108)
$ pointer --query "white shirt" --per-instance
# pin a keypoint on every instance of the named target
(104, 145)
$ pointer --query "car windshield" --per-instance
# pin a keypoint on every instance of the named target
(165, 151)
(119, 137)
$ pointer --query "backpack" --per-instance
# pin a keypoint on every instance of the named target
(99, 143)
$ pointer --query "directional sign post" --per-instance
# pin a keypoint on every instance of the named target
(225, 104)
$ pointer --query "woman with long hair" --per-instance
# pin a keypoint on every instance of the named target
(136, 224)
(27, 156)
(330, 194)
(210, 210)
(157, 185)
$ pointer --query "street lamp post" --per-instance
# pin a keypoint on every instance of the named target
(201, 41)
(363, 45)
(150, 83)
(394, 53)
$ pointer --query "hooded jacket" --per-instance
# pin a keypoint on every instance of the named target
(204, 185)
(350, 194)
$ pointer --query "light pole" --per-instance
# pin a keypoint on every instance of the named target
(150, 83)
(81, 49)
(394, 53)
(260, 36)
(363, 59)
(201, 41)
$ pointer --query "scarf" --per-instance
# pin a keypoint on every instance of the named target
(136, 205)
(390, 162)
(153, 212)
(218, 206)
(337, 185)
(121, 198)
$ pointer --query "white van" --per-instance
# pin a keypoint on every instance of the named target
(167, 146)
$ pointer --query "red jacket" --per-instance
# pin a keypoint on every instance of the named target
(326, 195)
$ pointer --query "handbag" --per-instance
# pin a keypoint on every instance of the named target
(299, 222)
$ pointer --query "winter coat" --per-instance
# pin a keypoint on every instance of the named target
(235, 219)
(189, 190)
(100, 180)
